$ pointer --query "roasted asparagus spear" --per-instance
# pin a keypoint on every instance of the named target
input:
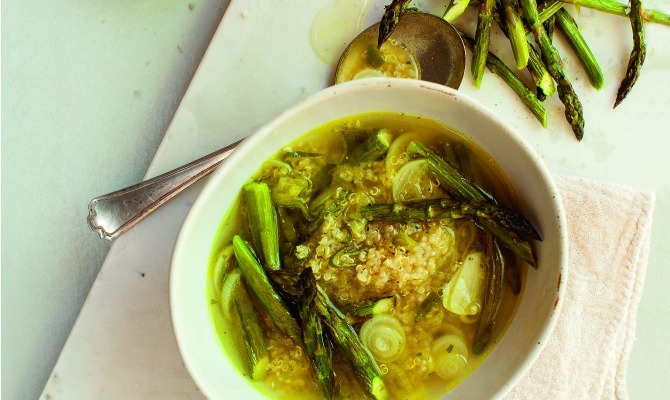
(497, 66)
(568, 26)
(623, 10)
(317, 346)
(494, 270)
(516, 32)
(254, 342)
(461, 188)
(482, 39)
(390, 19)
(259, 284)
(638, 53)
(263, 223)
(347, 340)
(573, 107)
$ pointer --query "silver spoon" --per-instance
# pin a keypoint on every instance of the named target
(435, 43)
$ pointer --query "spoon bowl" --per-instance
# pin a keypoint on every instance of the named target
(434, 43)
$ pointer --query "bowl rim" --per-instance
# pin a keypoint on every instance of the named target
(214, 183)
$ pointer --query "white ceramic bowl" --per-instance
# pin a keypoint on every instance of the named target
(538, 200)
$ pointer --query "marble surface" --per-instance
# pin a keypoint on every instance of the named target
(88, 90)
(89, 107)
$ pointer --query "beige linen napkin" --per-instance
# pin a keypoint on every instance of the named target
(609, 228)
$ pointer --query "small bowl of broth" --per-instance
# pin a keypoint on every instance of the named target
(384, 238)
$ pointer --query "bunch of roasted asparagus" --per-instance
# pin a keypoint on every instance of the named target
(519, 18)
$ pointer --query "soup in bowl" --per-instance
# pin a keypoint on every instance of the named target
(384, 238)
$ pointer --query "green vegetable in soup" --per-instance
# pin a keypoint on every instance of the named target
(381, 273)
(494, 271)
(451, 356)
(260, 286)
(384, 336)
(317, 344)
(263, 223)
(247, 319)
(365, 367)
(372, 307)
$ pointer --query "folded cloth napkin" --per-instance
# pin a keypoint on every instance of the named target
(609, 228)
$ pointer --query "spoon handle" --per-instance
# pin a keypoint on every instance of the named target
(113, 214)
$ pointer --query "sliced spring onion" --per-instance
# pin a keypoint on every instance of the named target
(451, 356)
(384, 336)
(462, 295)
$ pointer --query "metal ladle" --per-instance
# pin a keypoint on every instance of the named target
(435, 43)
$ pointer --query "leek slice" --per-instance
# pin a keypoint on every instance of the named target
(397, 156)
(413, 182)
(463, 294)
(384, 336)
(451, 356)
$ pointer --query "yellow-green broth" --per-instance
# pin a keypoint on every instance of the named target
(404, 260)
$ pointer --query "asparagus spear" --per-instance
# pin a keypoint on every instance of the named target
(543, 80)
(390, 19)
(371, 149)
(616, 8)
(516, 32)
(286, 282)
(482, 39)
(455, 10)
(494, 269)
(477, 211)
(450, 179)
(263, 223)
(638, 53)
(347, 340)
(259, 284)
(568, 26)
(573, 107)
(252, 334)
(497, 66)
(549, 24)
(548, 8)
(317, 345)
(460, 187)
